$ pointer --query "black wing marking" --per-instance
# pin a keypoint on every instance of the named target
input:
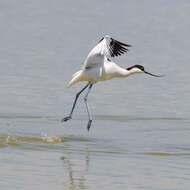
(100, 40)
(117, 48)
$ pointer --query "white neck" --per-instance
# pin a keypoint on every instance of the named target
(126, 73)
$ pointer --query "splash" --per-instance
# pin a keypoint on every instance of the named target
(16, 140)
(51, 139)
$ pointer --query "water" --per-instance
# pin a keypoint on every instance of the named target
(139, 137)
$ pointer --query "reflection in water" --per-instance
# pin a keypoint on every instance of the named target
(77, 154)
(76, 178)
(145, 148)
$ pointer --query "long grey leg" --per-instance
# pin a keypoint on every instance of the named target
(87, 107)
(77, 95)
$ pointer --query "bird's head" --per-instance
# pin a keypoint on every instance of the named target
(140, 69)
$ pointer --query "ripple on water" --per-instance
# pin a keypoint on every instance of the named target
(44, 141)
(125, 118)
(165, 154)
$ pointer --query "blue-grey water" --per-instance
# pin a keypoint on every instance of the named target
(140, 135)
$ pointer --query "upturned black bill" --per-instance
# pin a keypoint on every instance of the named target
(153, 74)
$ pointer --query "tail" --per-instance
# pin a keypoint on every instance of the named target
(76, 78)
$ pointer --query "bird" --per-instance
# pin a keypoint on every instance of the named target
(99, 67)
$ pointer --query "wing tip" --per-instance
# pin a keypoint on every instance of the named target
(118, 48)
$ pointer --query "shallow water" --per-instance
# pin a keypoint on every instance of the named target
(139, 137)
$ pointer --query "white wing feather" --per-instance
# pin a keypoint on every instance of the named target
(107, 47)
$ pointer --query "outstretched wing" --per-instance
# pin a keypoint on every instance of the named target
(115, 48)
(107, 47)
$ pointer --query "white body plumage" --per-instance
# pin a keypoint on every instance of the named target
(99, 67)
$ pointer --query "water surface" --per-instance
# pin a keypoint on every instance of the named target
(139, 137)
